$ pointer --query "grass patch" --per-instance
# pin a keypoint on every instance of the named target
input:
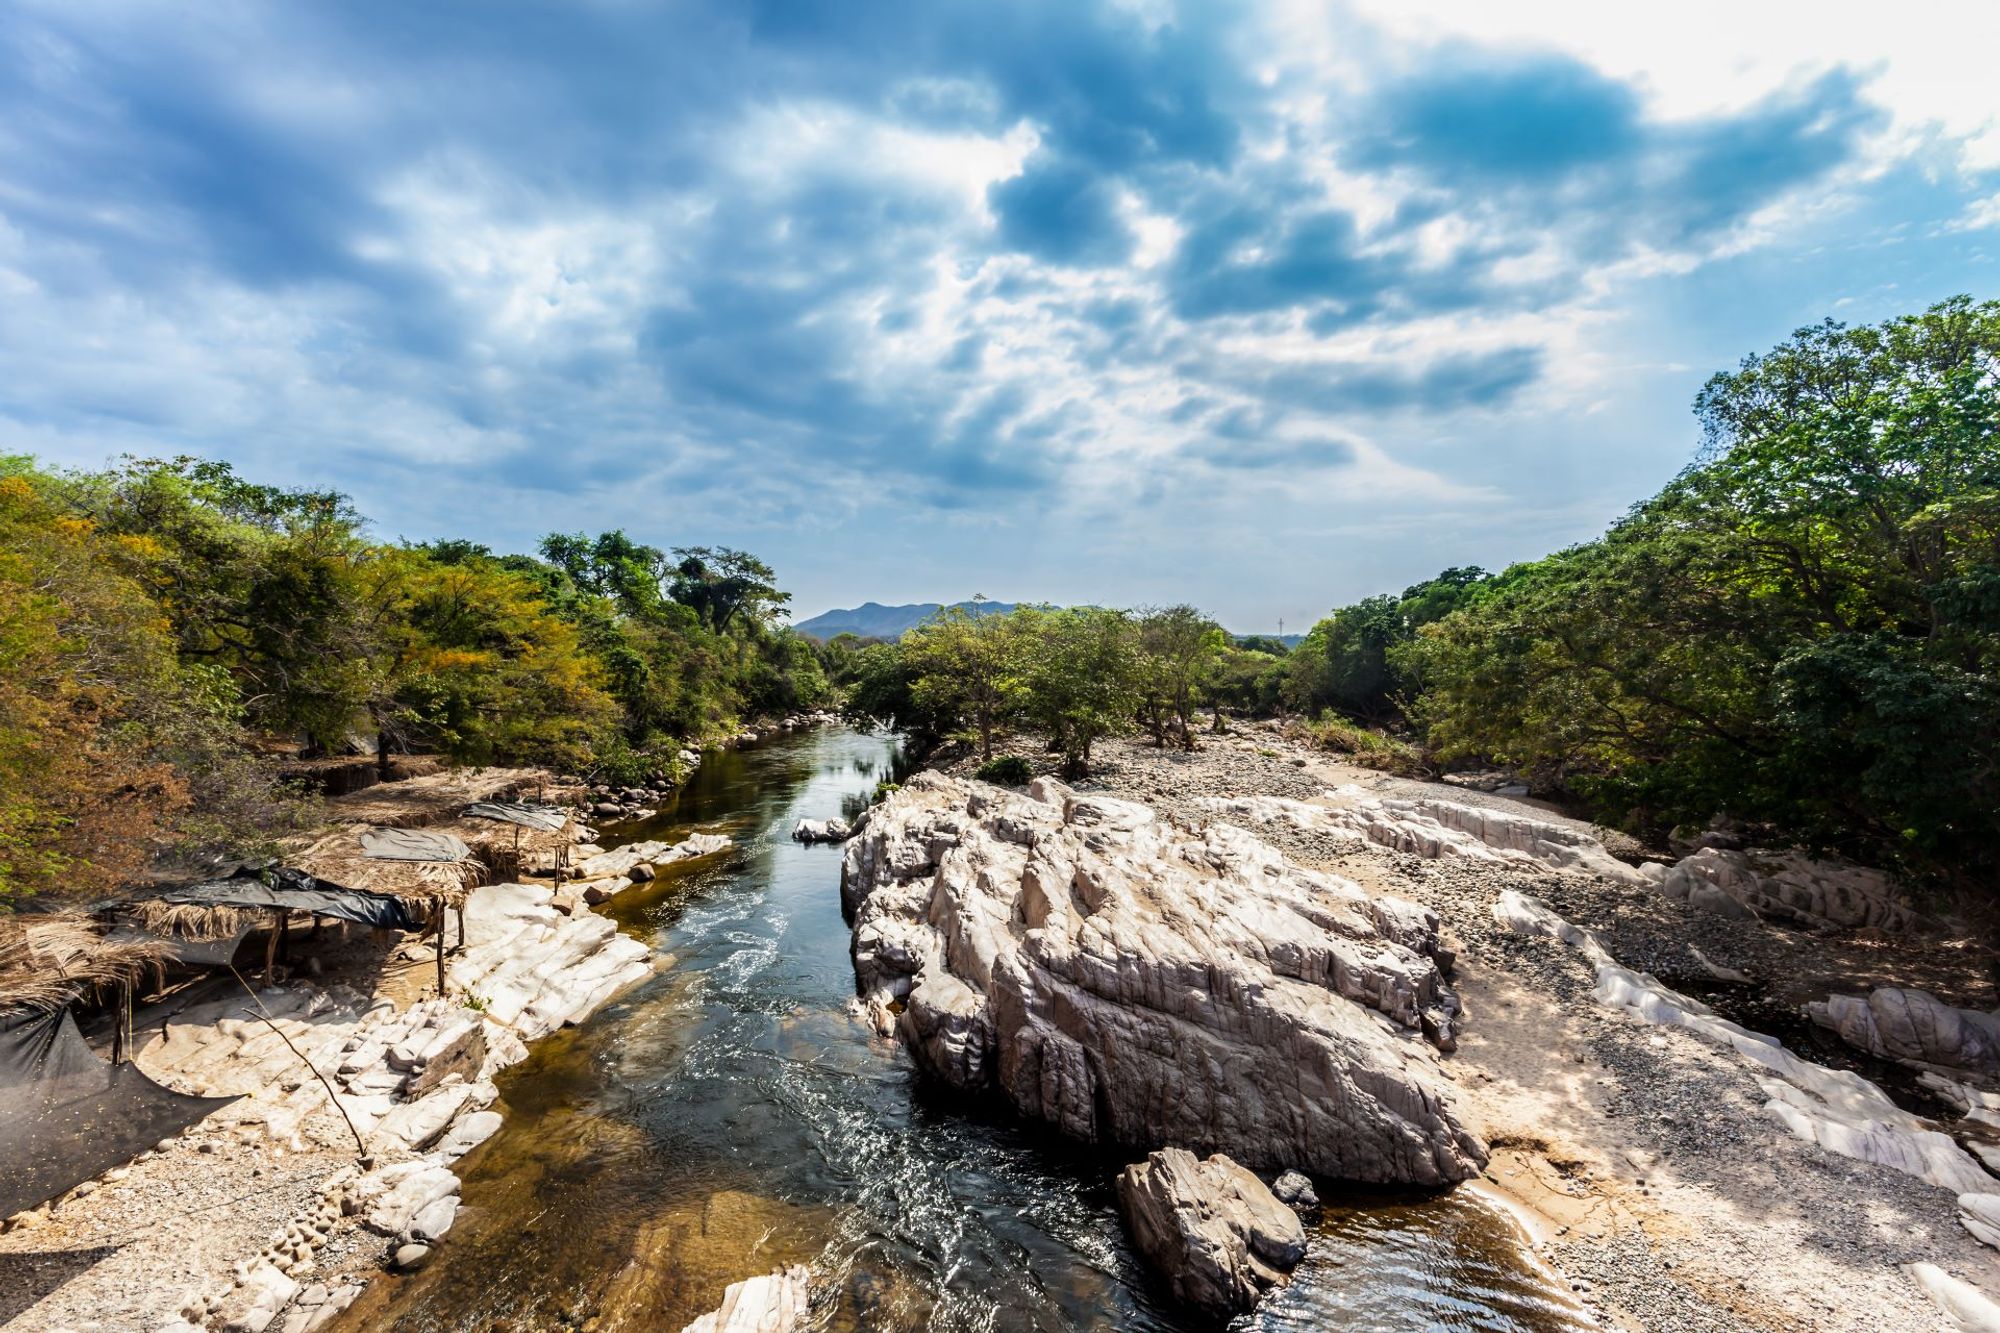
(1361, 745)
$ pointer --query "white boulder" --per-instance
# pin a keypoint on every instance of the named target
(1131, 981)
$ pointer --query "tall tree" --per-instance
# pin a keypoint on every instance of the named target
(723, 585)
(970, 665)
(1083, 679)
(1178, 648)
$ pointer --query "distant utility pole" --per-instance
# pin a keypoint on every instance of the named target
(1281, 627)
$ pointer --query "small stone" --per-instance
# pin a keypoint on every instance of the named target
(412, 1256)
(1296, 1191)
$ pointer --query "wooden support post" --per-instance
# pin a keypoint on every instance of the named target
(440, 945)
(271, 945)
(461, 928)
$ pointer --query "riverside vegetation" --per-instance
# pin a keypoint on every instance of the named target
(172, 634)
(1800, 631)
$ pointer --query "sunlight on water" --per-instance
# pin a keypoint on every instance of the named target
(730, 1116)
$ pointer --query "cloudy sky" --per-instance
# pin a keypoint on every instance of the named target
(1262, 307)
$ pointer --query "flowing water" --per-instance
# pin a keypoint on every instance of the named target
(730, 1116)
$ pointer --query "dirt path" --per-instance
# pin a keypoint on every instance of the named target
(1640, 1158)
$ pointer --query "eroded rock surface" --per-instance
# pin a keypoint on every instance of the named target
(1835, 1108)
(1914, 1027)
(1211, 1229)
(414, 1083)
(620, 863)
(1787, 886)
(1128, 980)
(1438, 829)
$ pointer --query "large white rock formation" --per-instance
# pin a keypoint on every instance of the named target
(1757, 884)
(1437, 829)
(1914, 1027)
(621, 862)
(1131, 981)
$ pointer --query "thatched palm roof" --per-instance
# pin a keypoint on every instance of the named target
(339, 858)
(507, 846)
(437, 799)
(47, 960)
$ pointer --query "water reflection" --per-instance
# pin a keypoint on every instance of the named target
(730, 1116)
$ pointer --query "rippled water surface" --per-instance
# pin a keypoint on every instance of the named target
(730, 1116)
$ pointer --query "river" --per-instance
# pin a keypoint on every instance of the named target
(730, 1115)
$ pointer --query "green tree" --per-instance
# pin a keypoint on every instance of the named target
(969, 666)
(1178, 648)
(1800, 628)
(477, 666)
(722, 585)
(1083, 679)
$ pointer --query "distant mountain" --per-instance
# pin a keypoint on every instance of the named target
(872, 620)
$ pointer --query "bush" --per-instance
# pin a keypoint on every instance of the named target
(1369, 749)
(1009, 770)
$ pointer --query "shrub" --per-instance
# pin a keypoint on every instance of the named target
(1370, 749)
(1009, 770)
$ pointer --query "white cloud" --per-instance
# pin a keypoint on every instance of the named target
(1932, 59)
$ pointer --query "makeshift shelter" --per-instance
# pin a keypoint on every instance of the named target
(509, 835)
(203, 923)
(423, 867)
(416, 865)
(66, 1115)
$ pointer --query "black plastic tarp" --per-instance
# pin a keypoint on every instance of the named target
(66, 1116)
(300, 892)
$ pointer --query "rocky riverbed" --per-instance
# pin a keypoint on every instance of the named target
(1646, 1161)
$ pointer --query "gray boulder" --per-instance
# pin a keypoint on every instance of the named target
(1210, 1229)
(1914, 1027)
(1787, 886)
(1295, 1190)
(822, 830)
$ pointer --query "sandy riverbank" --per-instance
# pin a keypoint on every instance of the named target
(267, 1214)
(1641, 1159)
